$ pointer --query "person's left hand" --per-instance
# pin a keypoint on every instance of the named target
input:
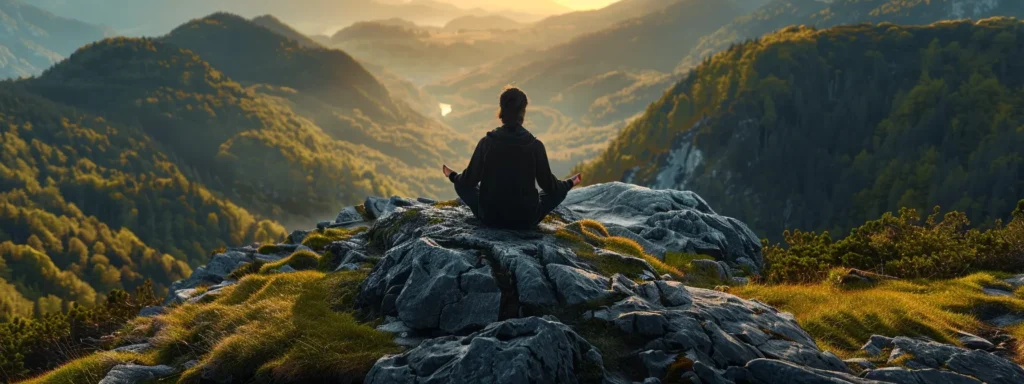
(577, 179)
(447, 171)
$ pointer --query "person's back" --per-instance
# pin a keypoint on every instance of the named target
(508, 164)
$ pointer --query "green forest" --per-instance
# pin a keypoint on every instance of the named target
(136, 158)
(824, 129)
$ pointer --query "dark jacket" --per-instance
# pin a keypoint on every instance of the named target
(506, 163)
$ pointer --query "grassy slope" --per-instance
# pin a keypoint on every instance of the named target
(842, 319)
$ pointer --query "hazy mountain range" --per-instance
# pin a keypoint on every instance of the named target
(32, 39)
(157, 17)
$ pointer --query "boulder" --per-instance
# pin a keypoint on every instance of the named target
(675, 221)
(132, 373)
(214, 272)
(431, 287)
(986, 367)
(876, 344)
(765, 371)
(524, 350)
(920, 376)
(971, 341)
(349, 215)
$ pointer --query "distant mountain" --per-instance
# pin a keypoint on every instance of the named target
(327, 86)
(476, 23)
(779, 14)
(32, 39)
(154, 18)
(538, 7)
(279, 27)
(400, 88)
(823, 129)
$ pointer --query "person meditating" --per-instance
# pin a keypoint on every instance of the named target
(505, 165)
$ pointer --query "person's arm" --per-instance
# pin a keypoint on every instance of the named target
(471, 176)
(547, 180)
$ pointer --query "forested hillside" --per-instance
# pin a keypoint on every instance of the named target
(822, 129)
(87, 206)
(134, 159)
(778, 14)
(32, 39)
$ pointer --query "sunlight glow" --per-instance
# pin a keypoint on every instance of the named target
(585, 4)
(445, 109)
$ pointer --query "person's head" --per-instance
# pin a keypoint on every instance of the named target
(513, 103)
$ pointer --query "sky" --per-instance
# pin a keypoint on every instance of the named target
(585, 4)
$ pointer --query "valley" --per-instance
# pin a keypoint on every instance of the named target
(172, 176)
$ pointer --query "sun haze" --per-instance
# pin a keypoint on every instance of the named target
(585, 4)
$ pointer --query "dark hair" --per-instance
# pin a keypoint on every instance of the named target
(513, 103)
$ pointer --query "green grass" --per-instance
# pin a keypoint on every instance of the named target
(842, 320)
(89, 369)
(447, 204)
(321, 238)
(586, 236)
(297, 327)
(300, 260)
(268, 249)
(683, 261)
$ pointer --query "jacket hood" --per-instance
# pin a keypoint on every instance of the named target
(514, 135)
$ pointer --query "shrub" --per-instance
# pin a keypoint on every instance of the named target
(31, 346)
(901, 246)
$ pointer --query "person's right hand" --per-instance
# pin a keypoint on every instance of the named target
(576, 180)
(447, 171)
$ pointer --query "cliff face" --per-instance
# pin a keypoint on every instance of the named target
(596, 294)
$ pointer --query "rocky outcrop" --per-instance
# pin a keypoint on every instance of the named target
(926, 361)
(478, 305)
(136, 374)
(525, 350)
(669, 221)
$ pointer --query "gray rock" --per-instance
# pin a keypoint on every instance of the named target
(135, 348)
(970, 341)
(986, 367)
(525, 350)
(676, 221)
(219, 267)
(426, 200)
(861, 363)
(712, 269)
(921, 376)
(432, 287)
(876, 344)
(709, 375)
(375, 206)
(1007, 320)
(131, 374)
(577, 286)
(298, 236)
(1016, 281)
(997, 292)
(765, 371)
(349, 215)
(152, 311)
(925, 354)
(673, 294)
(657, 362)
